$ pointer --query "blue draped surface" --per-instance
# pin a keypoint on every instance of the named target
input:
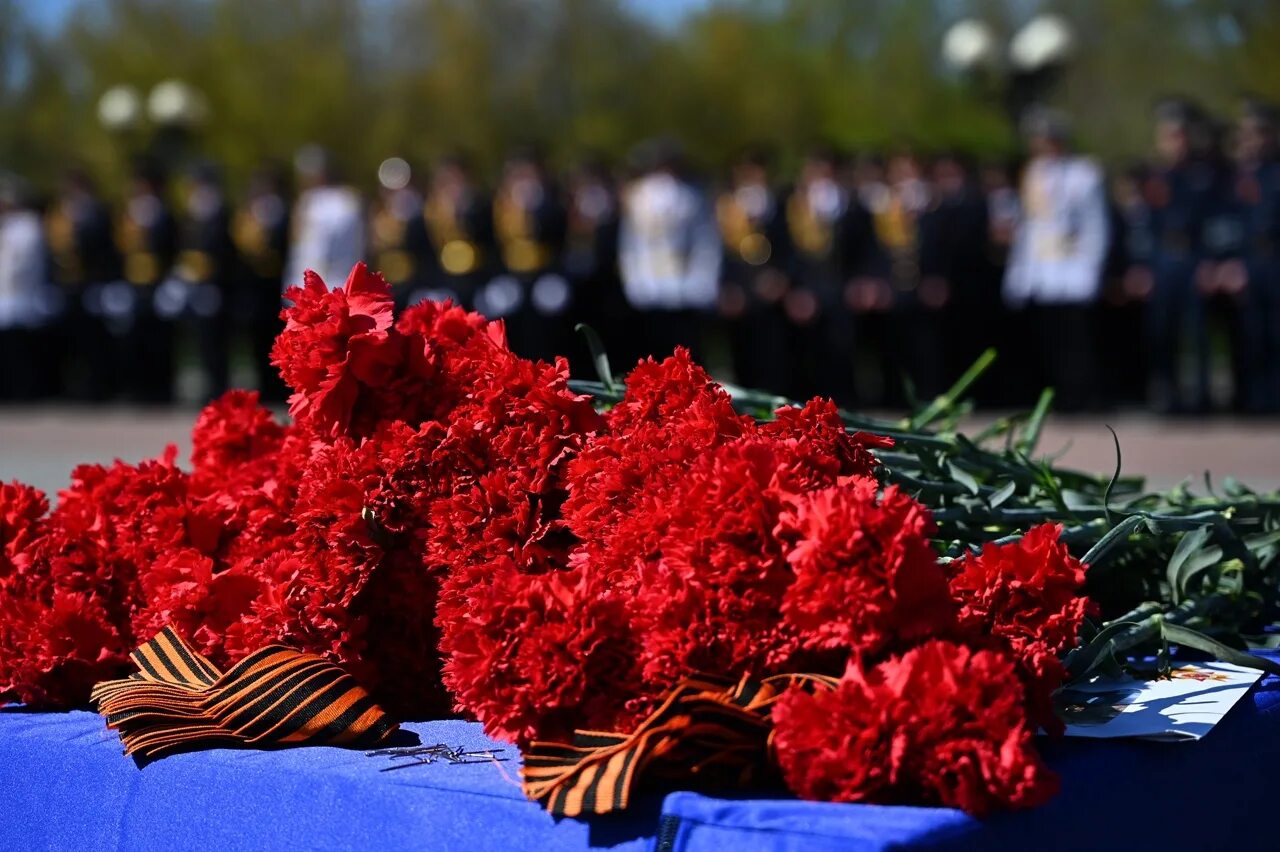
(64, 784)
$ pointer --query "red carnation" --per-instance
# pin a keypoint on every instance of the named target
(54, 649)
(336, 346)
(1026, 595)
(866, 576)
(22, 510)
(233, 431)
(941, 724)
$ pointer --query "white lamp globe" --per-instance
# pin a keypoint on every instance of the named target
(394, 173)
(1046, 40)
(969, 44)
(174, 102)
(119, 108)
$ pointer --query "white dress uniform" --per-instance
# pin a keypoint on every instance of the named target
(1060, 243)
(23, 281)
(328, 235)
(668, 246)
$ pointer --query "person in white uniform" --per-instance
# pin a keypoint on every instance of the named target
(24, 294)
(669, 252)
(328, 223)
(1056, 261)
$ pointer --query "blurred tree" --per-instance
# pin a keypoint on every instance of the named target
(422, 77)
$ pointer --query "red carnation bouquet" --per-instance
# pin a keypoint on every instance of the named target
(462, 530)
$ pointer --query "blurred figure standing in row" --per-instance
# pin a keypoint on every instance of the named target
(84, 259)
(24, 295)
(139, 323)
(591, 256)
(1056, 263)
(396, 238)
(668, 254)
(1257, 194)
(260, 231)
(757, 256)
(328, 222)
(529, 290)
(205, 271)
(458, 228)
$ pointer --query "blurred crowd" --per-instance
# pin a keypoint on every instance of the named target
(873, 279)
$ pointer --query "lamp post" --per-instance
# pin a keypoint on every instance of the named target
(1022, 73)
(176, 110)
(160, 124)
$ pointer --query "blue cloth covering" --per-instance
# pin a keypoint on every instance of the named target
(64, 784)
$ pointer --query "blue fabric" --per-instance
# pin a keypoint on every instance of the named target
(1213, 794)
(64, 784)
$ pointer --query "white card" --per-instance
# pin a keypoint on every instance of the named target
(1183, 707)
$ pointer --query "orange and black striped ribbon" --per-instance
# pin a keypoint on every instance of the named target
(178, 701)
(708, 731)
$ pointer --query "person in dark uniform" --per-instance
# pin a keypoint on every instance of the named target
(1246, 280)
(459, 232)
(591, 261)
(84, 260)
(1006, 382)
(958, 288)
(1221, 278)
(397, 241)
(530, 290)
(260, 231)
(754, 275)
(205, 269)
(1181, 192)
(833, 245)
(911, 340)
(1127, 286)
(143, 326)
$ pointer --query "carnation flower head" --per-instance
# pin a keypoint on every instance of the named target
(866, 576)
(54, 648)
(231, 432)
(1025, 597)
(22, 511)
(337, 349)
(941, 724)
(675, 564)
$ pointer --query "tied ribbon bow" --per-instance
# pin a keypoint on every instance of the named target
(276, 696)
(707, 731)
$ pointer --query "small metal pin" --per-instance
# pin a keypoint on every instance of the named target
(440, 752)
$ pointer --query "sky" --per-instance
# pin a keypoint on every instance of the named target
(51, 13)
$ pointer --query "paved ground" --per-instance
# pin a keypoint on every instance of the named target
(40, 445)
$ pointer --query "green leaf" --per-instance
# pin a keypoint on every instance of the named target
(1189, 544)
(1114, 536)
(1031, 432)
(598, 355)
(1003, 493)
(964, 478)
(1115, 475)
(1189, 638)
(1263, 641)
(945, 401)
(1086, 658)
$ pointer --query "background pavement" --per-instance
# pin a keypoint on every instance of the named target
(41, 445)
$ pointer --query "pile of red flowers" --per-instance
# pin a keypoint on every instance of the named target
(462, 531)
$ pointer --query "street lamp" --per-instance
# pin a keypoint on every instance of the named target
(1035, 55)
(120, 108)
(1047, 40)
(174, 103)
(969, 45)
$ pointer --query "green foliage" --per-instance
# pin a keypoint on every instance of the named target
(422, 77)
